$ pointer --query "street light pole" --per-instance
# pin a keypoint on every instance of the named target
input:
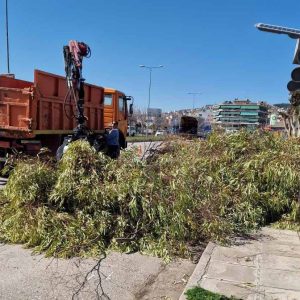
(149, 92)
(194, 94)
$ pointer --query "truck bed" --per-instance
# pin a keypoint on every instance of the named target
(28, 109)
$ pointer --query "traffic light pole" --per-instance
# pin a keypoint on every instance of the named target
(292, 33)
(294, 84)
(291, 117)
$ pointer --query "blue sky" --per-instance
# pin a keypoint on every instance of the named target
(209, 46)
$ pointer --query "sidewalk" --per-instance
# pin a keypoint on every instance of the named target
(266, 267)
(24, 276)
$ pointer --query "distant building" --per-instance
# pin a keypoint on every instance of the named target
(233, 115)
(154, 112)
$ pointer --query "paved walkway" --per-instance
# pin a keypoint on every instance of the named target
(266, 267)
(24, 276)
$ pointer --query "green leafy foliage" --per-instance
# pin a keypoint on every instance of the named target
(198, 293)
(80, 177)
(30, 183)
(187, 192)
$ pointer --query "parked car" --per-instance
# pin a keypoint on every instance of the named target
(131, 131)
(148, 131)
(160, 132)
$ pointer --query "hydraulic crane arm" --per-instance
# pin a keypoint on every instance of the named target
(73, 56)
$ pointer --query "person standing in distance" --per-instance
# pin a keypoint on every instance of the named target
(112, 140)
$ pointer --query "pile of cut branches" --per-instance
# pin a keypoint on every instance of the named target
(193, 191)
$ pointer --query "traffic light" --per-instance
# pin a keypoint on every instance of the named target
(296, 74)
(294, 84)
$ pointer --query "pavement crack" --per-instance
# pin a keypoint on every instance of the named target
(207, 264)
(141, 293)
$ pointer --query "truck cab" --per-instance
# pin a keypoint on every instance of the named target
(115, 109)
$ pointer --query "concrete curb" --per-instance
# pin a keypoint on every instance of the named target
(200, 269)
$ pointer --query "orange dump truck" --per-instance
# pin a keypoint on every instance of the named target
(115, 109)
(37, 114)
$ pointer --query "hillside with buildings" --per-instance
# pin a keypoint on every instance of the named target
(229, 115)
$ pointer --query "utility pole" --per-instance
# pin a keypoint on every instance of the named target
(7, 37)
